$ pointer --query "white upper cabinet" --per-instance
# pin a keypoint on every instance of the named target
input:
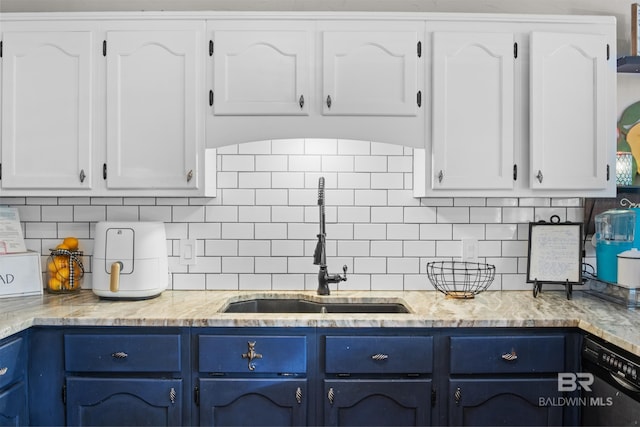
(370, 73)
(47, 109)
(262, 72)
(153, 120)
(473, 110)
(569, 127)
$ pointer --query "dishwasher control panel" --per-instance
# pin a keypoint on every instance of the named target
(613, 360)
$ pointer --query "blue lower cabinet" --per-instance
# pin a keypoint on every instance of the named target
(253, 402)
(123, 401)
(384, 402)
(13, 405)
(504, 402)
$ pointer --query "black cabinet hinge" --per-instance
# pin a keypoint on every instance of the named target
(515, 172)
(433, 398)
(608, 174)
(210, 98)
(64, 394)
(419, 98)
(104, 171)
(419, 49)
(210, 47)
(515, 50)
(104, 48)
(196, 396)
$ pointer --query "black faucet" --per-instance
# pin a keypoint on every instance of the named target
(320, 255)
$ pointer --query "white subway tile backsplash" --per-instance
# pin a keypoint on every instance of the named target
(387, 214)
(419, 248)
(271, 231)
(337, 163)
(254, 213)
(452, 215)
(255, 282)
(217, 247)
(254, 180)
(156, 213)
(271, 264)
(221, 282)
(260, 231)
(57, 213)
(468, 231)
(403, 265)
(370, 163)
(238, 163)
(403, 231)
(237, 230)
(272, 163)
(351, 147)
(271, 197)
(253, 248)
(386, 248)
(387, 181)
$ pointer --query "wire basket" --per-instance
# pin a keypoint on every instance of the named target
(460, 279)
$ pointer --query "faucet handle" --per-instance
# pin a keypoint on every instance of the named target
(344, 270)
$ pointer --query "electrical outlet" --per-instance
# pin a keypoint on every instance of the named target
(188, 252)
(469, 250)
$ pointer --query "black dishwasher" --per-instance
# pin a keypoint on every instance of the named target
(610, 382)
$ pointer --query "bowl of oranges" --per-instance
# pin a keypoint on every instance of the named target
(64, 267)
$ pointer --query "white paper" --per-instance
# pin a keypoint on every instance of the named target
(11, 238)
(555, 253)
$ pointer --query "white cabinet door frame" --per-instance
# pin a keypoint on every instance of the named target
(263, 72)
(568, 111)
(473, 111)
(370, 73)
(152, 111)
(47, 110)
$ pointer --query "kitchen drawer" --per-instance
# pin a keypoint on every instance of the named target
(12, 357)
(507, 354)
(378, 355)
(250, 353)
(122, 353)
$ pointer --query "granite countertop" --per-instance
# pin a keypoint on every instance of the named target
(612, 322)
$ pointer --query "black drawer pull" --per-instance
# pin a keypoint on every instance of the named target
(119, 355)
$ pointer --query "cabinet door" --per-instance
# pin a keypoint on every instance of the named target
(13, 406)
(262, 72)
(377, 402)
(123, 401)
(509, 402)
(569, 136)
(47, 110)
(152, 116)
(473, 111)
(253, 402)
(370, 73)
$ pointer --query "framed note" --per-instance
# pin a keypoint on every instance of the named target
(555, 253)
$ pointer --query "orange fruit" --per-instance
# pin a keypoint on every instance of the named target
(54, 284)
(63, 274)
(71, 243)
(62, 246)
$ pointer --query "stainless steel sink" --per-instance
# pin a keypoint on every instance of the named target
(286, 305)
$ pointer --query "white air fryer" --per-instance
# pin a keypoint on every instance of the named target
(130, 260)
